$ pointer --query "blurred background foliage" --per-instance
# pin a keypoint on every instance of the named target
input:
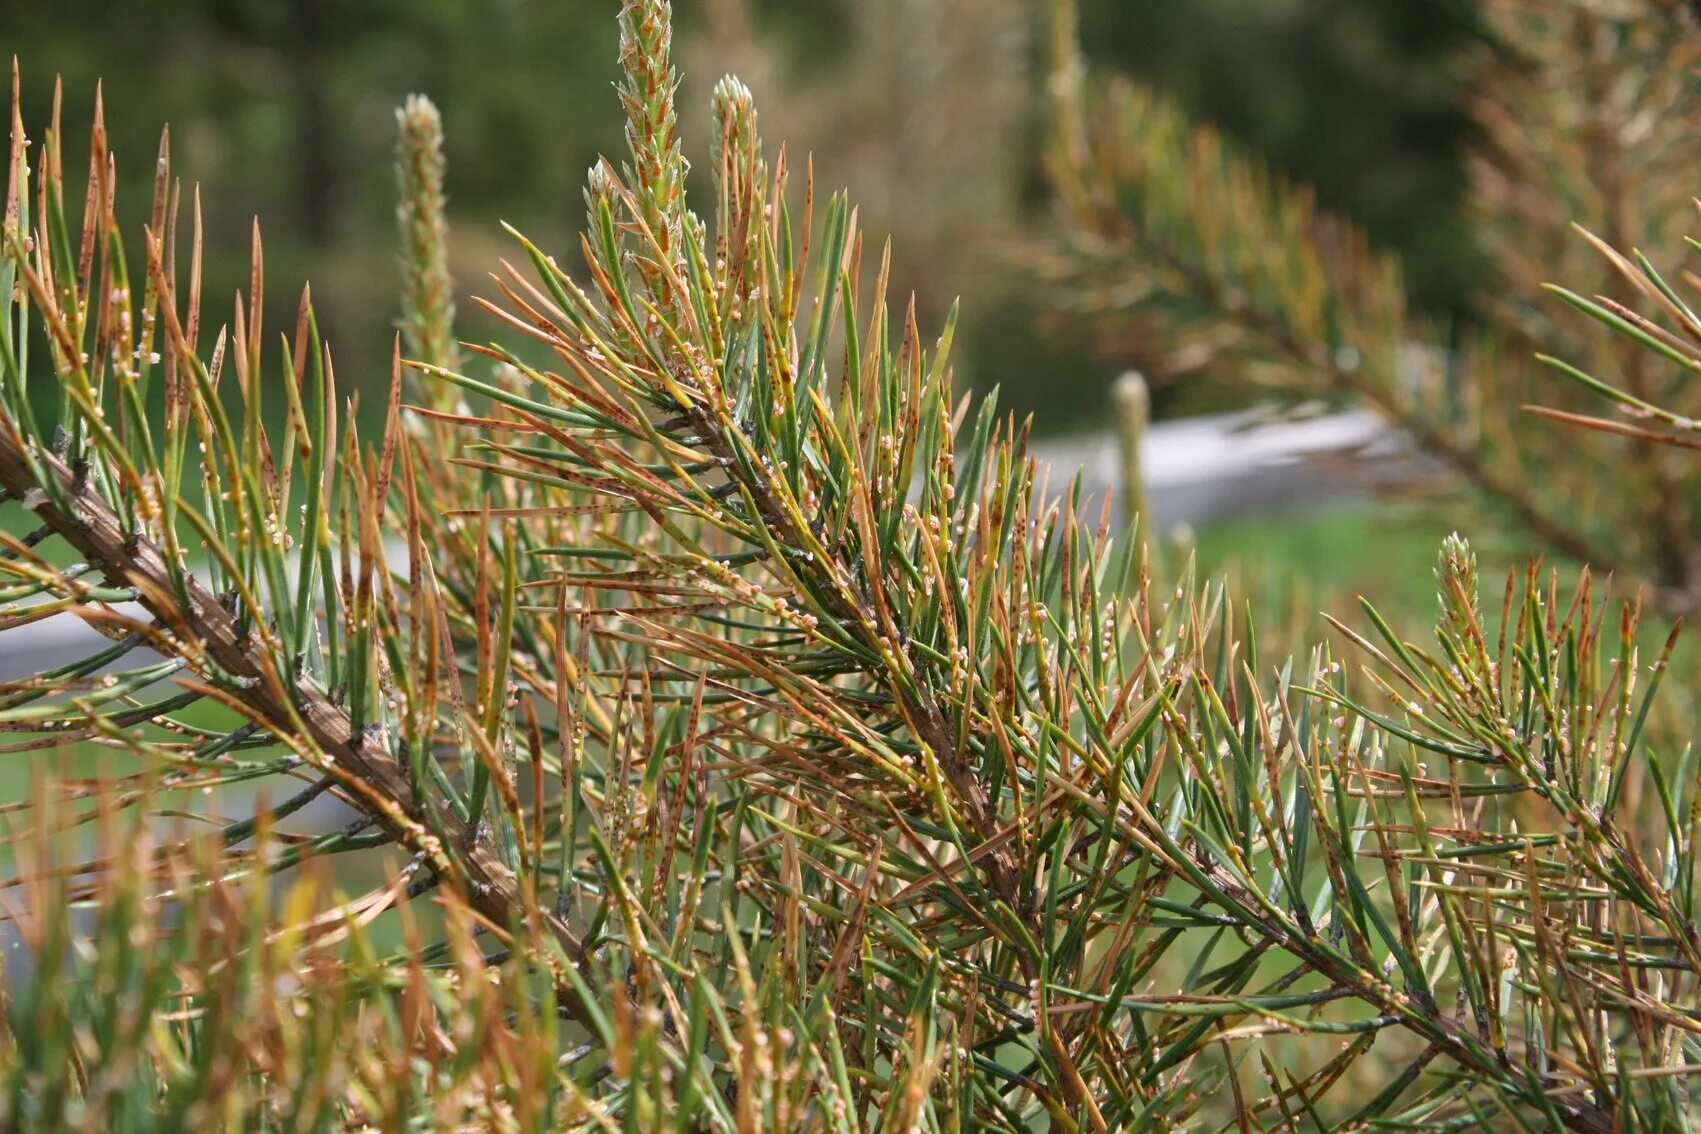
(283, 109)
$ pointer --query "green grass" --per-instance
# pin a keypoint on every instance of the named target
(1382, 550)
(1323, 559)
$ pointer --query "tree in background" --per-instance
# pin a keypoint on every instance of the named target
(924, 110)
(1174, 235)
(270, 104)
(1365, 100)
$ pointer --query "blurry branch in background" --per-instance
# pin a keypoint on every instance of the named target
(1582, 112)
(1173, 239)
(1066, 77)
(1578, 109)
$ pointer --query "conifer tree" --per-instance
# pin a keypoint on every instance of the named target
(729, 740)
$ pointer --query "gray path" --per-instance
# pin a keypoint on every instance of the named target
(1201, 469)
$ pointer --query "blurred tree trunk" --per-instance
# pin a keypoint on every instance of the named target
(314, 125)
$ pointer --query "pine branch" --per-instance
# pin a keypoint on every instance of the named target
(820, 774)
(359, 760)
